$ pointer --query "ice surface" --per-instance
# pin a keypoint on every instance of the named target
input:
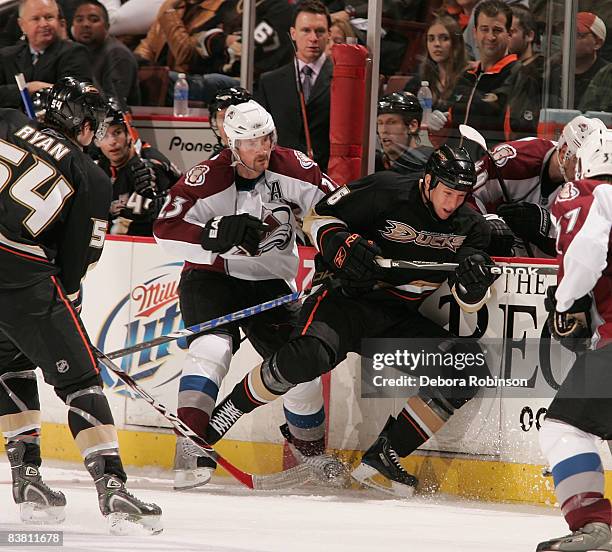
(223, 517)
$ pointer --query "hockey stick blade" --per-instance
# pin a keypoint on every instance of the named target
(221, 320)
(281, 480)
(450, 267)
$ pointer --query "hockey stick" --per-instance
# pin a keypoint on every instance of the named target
(450, 267)
(281, 480)
(25, 96)
(472, 134)
(300, 91)
(222, 320)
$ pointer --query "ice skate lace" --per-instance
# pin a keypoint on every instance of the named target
(189, 448)
(395, 459)
(225, 417)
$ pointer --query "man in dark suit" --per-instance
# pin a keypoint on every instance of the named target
(42, 57)
(278, 89)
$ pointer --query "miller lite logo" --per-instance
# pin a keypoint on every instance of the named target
(150, 309)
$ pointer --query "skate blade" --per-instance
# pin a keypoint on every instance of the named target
(30, 512)
(191, 479)
(120, 523)
(368, 476)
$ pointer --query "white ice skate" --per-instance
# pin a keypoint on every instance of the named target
(192, 468)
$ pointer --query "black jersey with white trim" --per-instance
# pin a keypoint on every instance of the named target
(388, 208)
(54, 204)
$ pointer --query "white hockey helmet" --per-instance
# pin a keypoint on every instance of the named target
(576, 132)
(594, 157)
(246, 121)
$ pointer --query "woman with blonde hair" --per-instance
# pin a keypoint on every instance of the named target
(444, 62)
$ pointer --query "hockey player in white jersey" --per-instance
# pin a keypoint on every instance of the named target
(533, 170)
(236, 221)
(580, 317)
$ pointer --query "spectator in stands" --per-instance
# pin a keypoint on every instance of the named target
(398, 123)
(523, 39)
(590, 36)
(185, 37)
(444, 63)
(340, 31)
(598, 96)
(68, 7)
(141, 180)
(43, 57)
(278, 89)
(493, 96)
(114, 67)
(133, 17)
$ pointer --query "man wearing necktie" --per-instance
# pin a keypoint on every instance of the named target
(278, 90)
(43, 57)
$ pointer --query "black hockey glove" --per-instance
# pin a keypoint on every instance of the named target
(243, 231)
(571, 328)
(473, 278)
(143, 177)
(502, 238)
(351, 257)
(528, 221)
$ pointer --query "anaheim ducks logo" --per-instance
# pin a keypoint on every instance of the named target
(404, 233)
(197, 175)
(568, 192)
(503, 153)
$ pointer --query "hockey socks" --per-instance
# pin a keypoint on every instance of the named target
(578, 473)
(260, 386)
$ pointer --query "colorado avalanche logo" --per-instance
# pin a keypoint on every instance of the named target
(197, 175)
(281, 233)
(305, 161)
(568, 192)
(503, 153)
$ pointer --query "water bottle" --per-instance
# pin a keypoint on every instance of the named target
(425, 99)
(181, 96)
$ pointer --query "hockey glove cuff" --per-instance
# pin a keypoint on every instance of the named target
(472, 281)
(244, 231)
(571, 328)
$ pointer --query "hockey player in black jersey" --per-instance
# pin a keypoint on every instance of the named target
(54, 203)
(388, 215)
(141, 179)
(398, 122)
(223, 99)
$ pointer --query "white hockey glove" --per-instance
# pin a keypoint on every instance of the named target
(437, 120)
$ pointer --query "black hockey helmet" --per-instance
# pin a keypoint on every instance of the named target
(115, 112)
(402, 103)
(453, 167)
(223, 99)
(71, 102)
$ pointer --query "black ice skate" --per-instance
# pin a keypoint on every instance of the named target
(325, 467)
(37, 502)
(192, 468)
(380, 469)
(125, 513)
(593, 537)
